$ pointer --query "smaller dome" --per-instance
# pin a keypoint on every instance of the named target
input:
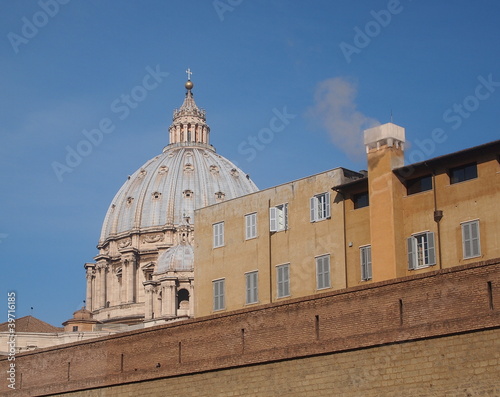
(178, 258)
(82, 314)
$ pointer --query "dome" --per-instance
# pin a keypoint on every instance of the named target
(167, 189)
(178, 258)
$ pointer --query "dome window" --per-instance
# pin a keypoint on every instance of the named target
(220, 196)
(156, 195)
(214, 169)
(142, 173)
(234, 172)
(163, 170)
(188, 167)
(112, 208)
(187, 193)
(130, 200)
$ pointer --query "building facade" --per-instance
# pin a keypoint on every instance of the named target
(144, 269)
(342, 229)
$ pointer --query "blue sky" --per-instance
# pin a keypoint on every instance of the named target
(330, 68)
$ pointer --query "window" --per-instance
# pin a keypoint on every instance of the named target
(320, 207)
(470, 239)
(463, 173)
(360, 200)
(251, 287)
(418, 185)
(323, 271)
(218, 286)
(283, 276)
(251, 226)
(278, 218)
(75, 328)
(218, 234)
(365, 257)
(421, 251)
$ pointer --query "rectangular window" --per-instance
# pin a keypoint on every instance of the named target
(283, 277)
(251, 226)
(323, 271)
(320, 207)
(360, 200)
(470, 239)
(75, 328)
(418, 185)
(218, 234)
(463, 173)
(365, 254)
(278, 218)
(219, 302)
(251, 287)
(421, 251)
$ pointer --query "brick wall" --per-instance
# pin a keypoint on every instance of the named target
(439, 328)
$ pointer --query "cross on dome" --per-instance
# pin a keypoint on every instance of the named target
(189, 73)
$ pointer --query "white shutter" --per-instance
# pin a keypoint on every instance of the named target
(313, 208)
(411, 253)
(285, 216)
(466, 240)
(431, 251)
(368, 263)
(327, 205)
(273, 219)
(474, 234)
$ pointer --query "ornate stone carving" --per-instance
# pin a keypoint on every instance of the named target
(125, 243)
(150, 238)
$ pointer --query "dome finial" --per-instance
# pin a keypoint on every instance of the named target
(189, 84)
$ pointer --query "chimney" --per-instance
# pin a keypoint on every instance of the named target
(385, 152)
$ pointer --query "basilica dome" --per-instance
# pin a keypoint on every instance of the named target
(144, 271)
(187, 175)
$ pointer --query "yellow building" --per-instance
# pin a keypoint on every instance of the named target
(341, 228)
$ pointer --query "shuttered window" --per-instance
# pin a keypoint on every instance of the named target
(421, 250)
(323, 271)
(278, 218)
(283, 278)
(470, 239)
(251, 226)
(365, 254)
(219, 287)
(218, 229)
(320, 207)
(251, 281)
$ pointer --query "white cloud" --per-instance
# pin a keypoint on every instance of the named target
(335, 109)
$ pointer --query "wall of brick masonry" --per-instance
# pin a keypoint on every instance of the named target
(459, 365)
(439, 328)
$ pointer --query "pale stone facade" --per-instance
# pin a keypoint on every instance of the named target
(145, 267)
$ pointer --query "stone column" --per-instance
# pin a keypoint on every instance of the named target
(101, 298)
(124, 289)
(148, 304)
(90, 275)
(131, 280)
(164, 301)
(173, 300)
(191, 297)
